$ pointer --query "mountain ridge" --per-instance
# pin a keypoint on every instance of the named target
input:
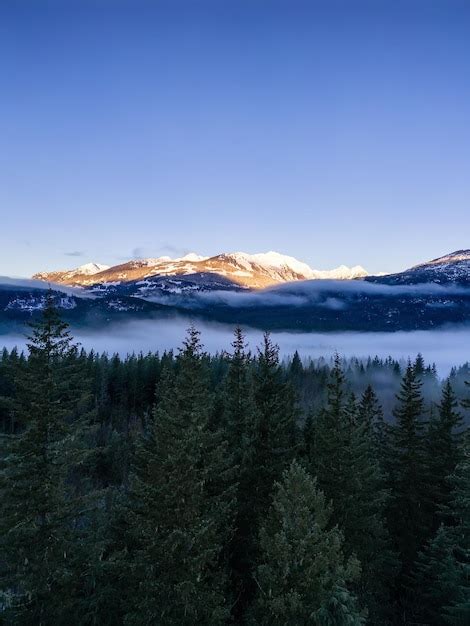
(253, 271)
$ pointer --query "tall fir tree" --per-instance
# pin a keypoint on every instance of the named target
(180, 506)
(443, 448)
(441, 575)
(408, 514)
(240, 420)
(344, 458)
(303, 576)
(43, 514)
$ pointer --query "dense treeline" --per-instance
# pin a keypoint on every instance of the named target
(194, 489)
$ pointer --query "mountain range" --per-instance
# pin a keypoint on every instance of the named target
(268, 291)
(254, 271)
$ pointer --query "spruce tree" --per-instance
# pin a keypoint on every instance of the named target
(344, 458)
(441, 575)
(275, 432)
(179, 510)
(43, 515)
(240, 420)
(443, 451)
(409, 518)
(369, 408)
(303, 576)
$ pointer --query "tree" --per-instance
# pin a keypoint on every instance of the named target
(261, 409)
(442, 572)
(409, 481)
(275, 431)
(443, 450)
(240, 420)
(43, 515)
(344, 458)
(369, 408)
(303, 576)
(179, 509)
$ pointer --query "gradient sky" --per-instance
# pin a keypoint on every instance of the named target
(336, 132)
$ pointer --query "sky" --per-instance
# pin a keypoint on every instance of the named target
(335, 132)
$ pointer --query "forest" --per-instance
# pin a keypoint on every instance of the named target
(236, 488)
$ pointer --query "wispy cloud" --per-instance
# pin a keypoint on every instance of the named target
(74, 253)
(148, 250)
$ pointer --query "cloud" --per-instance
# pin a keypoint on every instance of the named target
(75, 253)
(335, 295)
(157, 250)
(446, 347)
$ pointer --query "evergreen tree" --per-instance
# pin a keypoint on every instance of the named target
(275, 436)
(443, 450)
(262, 407)
(43, 514)
(303, 576)
(408, 472)
(344, 458)
(296, 368)
(179, 511)
(240, 419)
(369, 408)
(442, 572)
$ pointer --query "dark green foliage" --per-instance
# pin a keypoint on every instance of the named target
(344, 458)
(303, 576)
(179, 509)
(241, 420)
(442, 573)
(43, 511)
(443, 451)
(275, 436)
(152, 515)
(409, 480)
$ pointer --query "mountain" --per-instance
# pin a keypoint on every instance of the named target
(241, 270)
(227, 288)
(81, 275)
(451, 269)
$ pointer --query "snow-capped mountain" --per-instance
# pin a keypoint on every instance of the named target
(79, 276)
(242, 269)
(226, 289)
(453, 268)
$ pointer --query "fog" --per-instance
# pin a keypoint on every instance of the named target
(446, 347)
(333, 294)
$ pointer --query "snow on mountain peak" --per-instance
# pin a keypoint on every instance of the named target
(277, 261)
(193, 257)
(453, 257)
(256, 271)
(90, 268)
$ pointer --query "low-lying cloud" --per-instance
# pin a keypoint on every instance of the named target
(446, 348)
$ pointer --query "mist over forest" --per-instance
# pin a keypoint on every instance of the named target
(445, 348)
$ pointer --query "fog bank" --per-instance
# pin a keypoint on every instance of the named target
(446, 348)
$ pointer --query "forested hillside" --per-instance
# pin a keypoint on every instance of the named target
(186, 488)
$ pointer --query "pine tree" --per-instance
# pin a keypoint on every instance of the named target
(442, 572)
(179, 511)
(240, 419)
(43, 514)
(443, 451)
(369, 408)
(433, 587)
(238, 403)
(344, 457)
(303, 576)
(408, 472)
(275, 436)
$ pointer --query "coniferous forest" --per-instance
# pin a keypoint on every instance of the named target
(186, 488)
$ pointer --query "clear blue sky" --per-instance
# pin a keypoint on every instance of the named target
(337, 132)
